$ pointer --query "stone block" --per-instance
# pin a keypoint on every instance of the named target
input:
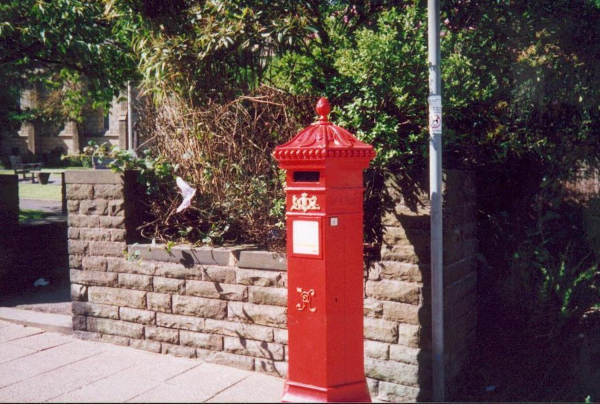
(377, 350)
(404, 313)
(117, 235)
(270, 367)
(380, 330)
(456, 291)
(75, 261)
(397, 393)
(220, 274)
(146, 345)
(401, 271)
(373, 386)
(393, 372)
(258, 314)
(259, 349)
(78, 292)
(106, 248)
(72, 206)
(108, 191)
(93, 207)
(121, 265)
(95, 310)
(180, 322)
(280, 336)
(78, 247)
(137, 282)
(268, 296)
(410, 335)
(179, 271)
(73, 233)
(198, 306)
(226, 359)
(117, 297)
(200, 340)
(255, 277)
(137, 316)
(176, 350)
(83, 221)
(112, 327)
(215, 290)
(91, 263)
(115, 340)
(192, 256)
(162, 334)
(159, 302)
(80, 191)
(262, 260)
(168, 285)
(87, 336)
(372, 308)
(97, 234)
(79, 323)
(404, 292)
(243, 330)
(93, 278)
(111, 222)
(411, 254)
(116, 207)
(93, 177)
(411, 356)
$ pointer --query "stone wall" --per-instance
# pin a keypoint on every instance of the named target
(398, 290)
(228, 305)
(9, 220)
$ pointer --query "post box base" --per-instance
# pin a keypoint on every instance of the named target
(294, 392)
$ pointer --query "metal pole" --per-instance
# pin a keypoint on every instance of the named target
(435, 195)
(129, 119)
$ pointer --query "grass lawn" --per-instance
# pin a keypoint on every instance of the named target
(32, 214)
(9, 171)
(38, 191)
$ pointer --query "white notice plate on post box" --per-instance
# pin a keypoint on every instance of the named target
(305, 237)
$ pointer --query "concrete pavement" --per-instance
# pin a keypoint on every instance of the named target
(37, 366)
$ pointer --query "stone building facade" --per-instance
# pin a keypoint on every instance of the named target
(229, 305)
(39, 142)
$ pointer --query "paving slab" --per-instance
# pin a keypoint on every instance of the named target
(44, 361)
(47, 321)
(116, 388)
(10, 352)
(162, 368)
(253, 389)
(38, 366)
(41, 342)
(208, 379)
(17, 331)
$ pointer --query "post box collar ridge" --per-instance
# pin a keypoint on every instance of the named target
(323, 139)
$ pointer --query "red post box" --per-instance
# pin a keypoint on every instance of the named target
(324, 210)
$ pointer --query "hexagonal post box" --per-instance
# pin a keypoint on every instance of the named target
(324, 209)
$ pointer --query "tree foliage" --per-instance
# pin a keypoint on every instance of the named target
(69, 46)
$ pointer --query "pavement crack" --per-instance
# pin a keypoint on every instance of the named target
(226, 388)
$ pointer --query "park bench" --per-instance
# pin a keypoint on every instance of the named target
(20, 168)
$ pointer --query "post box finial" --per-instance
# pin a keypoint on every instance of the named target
(323, 109)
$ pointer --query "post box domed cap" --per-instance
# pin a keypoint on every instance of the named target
(322, 140)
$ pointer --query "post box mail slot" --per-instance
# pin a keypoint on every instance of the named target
(324, 210)
(306, 176)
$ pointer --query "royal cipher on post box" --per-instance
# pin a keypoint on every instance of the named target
(324, 209)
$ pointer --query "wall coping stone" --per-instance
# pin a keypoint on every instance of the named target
(262, 260)
(93, 177)
(190, 255)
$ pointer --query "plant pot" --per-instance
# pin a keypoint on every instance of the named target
(43, 177)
